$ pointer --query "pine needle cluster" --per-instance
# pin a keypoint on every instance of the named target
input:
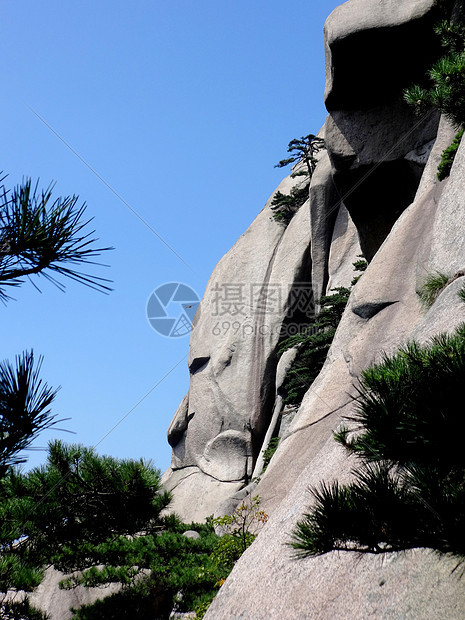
(303, 153)
(446, 88)
(407, 432)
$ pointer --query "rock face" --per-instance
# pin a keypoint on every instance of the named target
(375, 190)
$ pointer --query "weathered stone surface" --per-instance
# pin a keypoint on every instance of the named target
(372, 49)
(228, 456)
(448, 244)
(387, 132)
(344, 251)
(376, 144)
(284, 364)
(195, 494)
(407, 227)
(178, 423)
(444, 316)
(324, 201)
(445, 134)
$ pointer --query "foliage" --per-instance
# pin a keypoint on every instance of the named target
(241, 525)
(302, 151)
(202, 608)
(446, 88)
(239, 533)
(269, 452)
(38, 236)
(433, 285)
(448, 156)
(99, 518)
(407, 430)
(461, 293)
(313, 342)
(44, 237)
(24, 407)
(284, 206)
(359, 265)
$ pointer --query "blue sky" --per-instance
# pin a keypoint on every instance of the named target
(183, 107)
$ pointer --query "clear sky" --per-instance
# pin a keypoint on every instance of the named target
(182, 107)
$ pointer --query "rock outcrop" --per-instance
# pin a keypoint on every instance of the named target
(375, 190)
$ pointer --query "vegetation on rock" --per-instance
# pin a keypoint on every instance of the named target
(448, 156)
(409, 488)
(302, 151)
(446, 88)
(313, 342)
(431, 288)
(359, 265)
(239, 531)
(268, 453)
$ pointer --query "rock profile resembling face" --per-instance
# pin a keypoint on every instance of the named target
(218, 430)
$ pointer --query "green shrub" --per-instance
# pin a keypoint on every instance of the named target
(461, 293)
(269, 452)
(407, 430)
(313, 342)
(448, 156)
(446, 88)
(284, 206)
(359, 265)
(431, 288)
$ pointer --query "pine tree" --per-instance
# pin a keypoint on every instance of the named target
(303, 150)
(39, 236)
(101, 519)
(446, 88)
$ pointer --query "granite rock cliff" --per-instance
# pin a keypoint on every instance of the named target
(374, 190)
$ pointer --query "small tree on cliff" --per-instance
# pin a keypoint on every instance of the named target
(303, 150)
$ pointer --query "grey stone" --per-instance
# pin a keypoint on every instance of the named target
(344, 251)
(178, 423)
(192, 534)
(195, 494)
(413, 585)
(228, 456)
(324, 201)
(445, 134)
(285, 362)
(408, 227)
(448, 243)
(385, 133)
